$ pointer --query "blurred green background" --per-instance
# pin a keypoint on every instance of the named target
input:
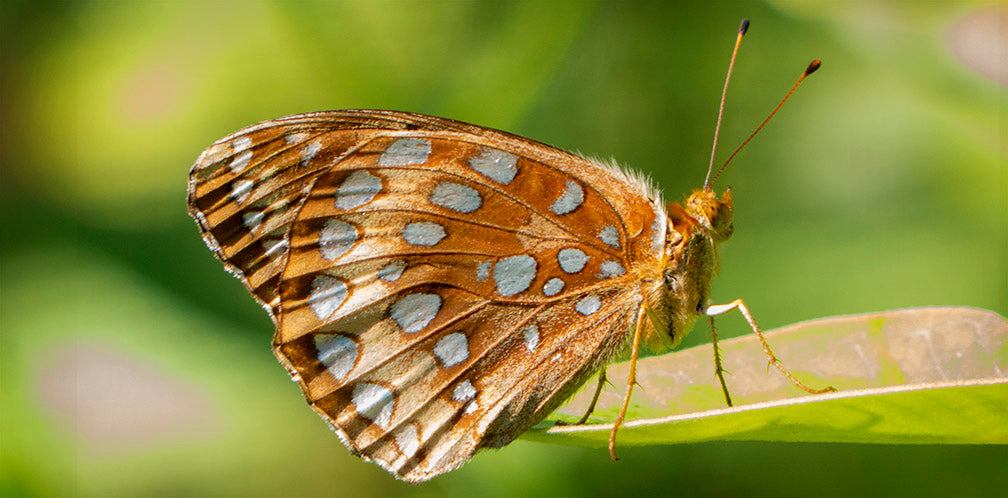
(132, 365)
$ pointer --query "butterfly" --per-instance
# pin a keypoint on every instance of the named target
(439, 287)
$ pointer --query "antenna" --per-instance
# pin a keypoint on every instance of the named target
(743, 27)
(809, 70)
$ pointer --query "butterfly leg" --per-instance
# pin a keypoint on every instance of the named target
(718, 368)
(594, 401)
(720, 309)
(631, 380)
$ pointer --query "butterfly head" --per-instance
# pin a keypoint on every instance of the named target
(713, 214)
(700, 224)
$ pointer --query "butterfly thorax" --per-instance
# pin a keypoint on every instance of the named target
(696, 228)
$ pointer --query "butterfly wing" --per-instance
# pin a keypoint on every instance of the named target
(436, 287)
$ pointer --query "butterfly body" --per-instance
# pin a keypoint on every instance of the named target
(439, 287)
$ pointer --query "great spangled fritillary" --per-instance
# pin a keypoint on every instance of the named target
(439, 287)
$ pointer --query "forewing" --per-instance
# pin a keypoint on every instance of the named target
(246, 189)
(439, 287)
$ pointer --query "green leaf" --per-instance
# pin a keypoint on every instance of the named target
(913, 376)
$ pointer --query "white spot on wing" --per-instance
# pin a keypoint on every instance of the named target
(408, 440)
(392, 271)
(240, 162)
(357, 189)
(336, 238)
(405, 151)
(374, 402)
(294, 138)
(572, 260)
(414, 311)
(423, 233)
(553, 287)
(588, 305)
(483, 271)
(252, 219)
(611, 269)
(531, 334)
(309, 151)
(496, 165)
(456, 197)
(610, 235)
(452, 349)
(240, 190)
(465, 392)
(327, 294)
(242, 143)
(337, 353)
(571, 198)
(514, 274)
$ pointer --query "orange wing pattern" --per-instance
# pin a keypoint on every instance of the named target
(436, 287)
